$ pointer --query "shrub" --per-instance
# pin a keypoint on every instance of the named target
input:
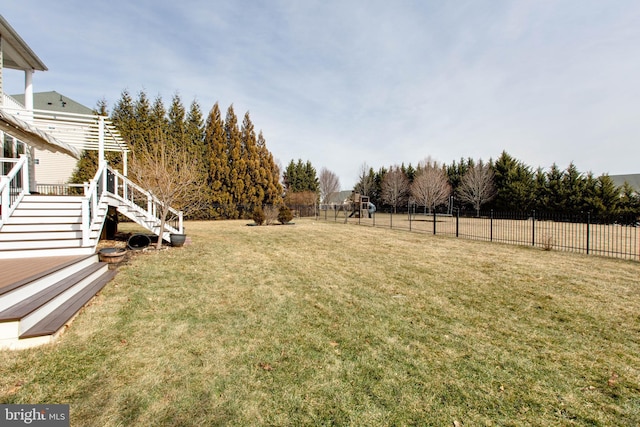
(284, 214)
(271, 214)
(258, 215)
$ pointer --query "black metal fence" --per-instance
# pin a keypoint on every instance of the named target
(613, 236)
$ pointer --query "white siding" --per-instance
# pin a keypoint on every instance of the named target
(53, 168)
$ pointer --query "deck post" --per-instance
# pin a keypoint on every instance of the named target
(100, 141)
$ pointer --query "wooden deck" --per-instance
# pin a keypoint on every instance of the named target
(15, 271)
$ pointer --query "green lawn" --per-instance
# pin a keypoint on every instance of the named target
(332, 324)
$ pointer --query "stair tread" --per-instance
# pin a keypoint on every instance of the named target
(37, 300)
(42, 274)
(54, 321)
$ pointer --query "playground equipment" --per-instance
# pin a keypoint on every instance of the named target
(361, 206)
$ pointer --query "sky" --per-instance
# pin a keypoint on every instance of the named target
(352, 83)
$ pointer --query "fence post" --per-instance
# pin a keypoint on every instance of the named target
(458, 223)
(533, 228)
(434, 221)
(391, 220)
(588, 229)
(491, 227)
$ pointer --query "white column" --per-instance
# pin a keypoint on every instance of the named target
(28, 89)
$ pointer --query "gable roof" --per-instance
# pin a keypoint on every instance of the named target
(54, 101)
(16, 54)
(632, 179)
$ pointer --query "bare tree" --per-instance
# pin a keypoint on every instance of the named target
(430, 185)
(329, 184)
(168, 172)
(365, 180)
(477, 186)
(395, 187)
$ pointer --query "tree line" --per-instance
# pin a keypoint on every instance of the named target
(238, 173)
(233, 167)
(506, 184)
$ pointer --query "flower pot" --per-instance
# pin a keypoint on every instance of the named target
(111, 255)
(177, 239)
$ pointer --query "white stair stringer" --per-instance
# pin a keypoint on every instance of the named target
(140, 216)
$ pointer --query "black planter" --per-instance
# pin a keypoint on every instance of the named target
(177, 239)
(138, 241)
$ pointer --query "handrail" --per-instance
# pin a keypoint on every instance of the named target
(90, 203)
(13, 187)
(134, 194)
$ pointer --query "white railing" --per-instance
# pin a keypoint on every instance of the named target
(13, 186)
(139, 198)
(90, 201)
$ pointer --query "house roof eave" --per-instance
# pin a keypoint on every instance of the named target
(17, 53)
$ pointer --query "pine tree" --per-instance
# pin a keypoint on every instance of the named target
(629, 203)
(176, 122)
(609, 196)
(237, 163)
(514, 183)
(219, 166)
(195, 140)
(554, 192)
(572, 185)
(123, 116)
(142, 116)
(269, 173)
(158, 116)
(254, 188)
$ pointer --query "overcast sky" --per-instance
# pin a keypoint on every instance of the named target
(347, 82)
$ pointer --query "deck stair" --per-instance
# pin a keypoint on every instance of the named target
(48, 226)
(35, 309)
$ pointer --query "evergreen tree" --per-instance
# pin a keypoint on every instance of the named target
(176, 123)
(253, 184)
(608, 195)
(142, 117)
(270, 173)
(515, 184)
(123, 116)
(456, 171)
(629, 203)
(300, 177)
(540, 189)
(554, 192)
(220, 199)
(572, 185)
(158, 115)
(195, 140)
(236, 160)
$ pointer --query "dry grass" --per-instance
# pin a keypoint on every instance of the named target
(326, 324)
